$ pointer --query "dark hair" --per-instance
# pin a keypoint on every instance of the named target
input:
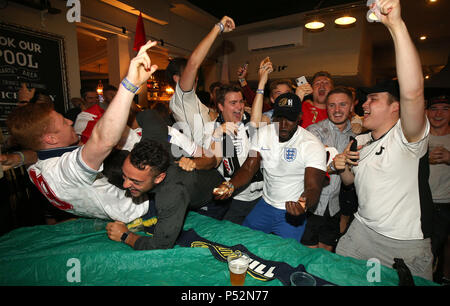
(214, 85)
(85, 90)
(322, 73)
(162, 109)
(175, 67)
(341, 90)
(275, 83)
(205, 97)
(40, 96)
(151, 153)
(224, 89)
(112, 167)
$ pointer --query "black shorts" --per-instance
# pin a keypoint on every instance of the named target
(324, 229)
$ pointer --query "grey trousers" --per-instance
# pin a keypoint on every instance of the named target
(361, 242)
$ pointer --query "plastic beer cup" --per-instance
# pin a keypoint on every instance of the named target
(237, 264)
(302, 279)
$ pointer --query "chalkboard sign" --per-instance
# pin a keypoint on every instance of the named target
(35, 58)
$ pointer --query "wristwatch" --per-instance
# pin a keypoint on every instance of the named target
(332, 168)
(124, 236)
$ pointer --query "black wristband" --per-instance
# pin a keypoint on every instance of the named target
(124, 236)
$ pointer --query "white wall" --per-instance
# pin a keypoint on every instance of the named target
(342, 52)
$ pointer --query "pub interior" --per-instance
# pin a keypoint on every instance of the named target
(66, 49)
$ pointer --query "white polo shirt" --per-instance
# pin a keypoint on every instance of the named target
(190, 113)
(174, 137)
(284, 163)
(387, 184)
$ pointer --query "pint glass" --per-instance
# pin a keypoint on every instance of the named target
(237, 264)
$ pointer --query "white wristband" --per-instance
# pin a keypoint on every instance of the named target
(216, 139)
(221, 27)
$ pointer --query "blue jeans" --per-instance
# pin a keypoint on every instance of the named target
(268, 219)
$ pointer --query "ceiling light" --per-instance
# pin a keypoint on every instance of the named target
(345, 20)
(314, 25)
(423, 37)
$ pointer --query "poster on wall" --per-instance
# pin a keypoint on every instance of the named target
(35, 58)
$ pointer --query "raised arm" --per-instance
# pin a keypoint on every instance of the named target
(189, 74)
(409, 71)
(265, 68)
(108, 130)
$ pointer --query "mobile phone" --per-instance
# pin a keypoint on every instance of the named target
(354, 146)
(301, 80)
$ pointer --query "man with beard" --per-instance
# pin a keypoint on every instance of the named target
(322, 229)
(293, 165)
(149, 170)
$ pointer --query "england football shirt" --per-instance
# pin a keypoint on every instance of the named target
(70, 185)
(284, 163)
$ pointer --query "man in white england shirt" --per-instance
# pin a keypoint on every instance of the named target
(293, 162)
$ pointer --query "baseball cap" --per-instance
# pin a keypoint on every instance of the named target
(287, 105)
(438, 100)
(390, 86)
(437, 95)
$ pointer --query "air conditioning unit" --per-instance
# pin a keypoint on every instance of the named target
(276, 39)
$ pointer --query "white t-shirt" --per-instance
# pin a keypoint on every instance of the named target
(182, 141)
(386, 182)
(242, 143)
(69, 184)
(175, 137)
(133, 137)
(190, 113)
(284, 163)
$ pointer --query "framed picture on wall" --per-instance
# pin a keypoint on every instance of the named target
(35, 58)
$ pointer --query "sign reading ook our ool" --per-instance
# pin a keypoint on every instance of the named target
(35, 58)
